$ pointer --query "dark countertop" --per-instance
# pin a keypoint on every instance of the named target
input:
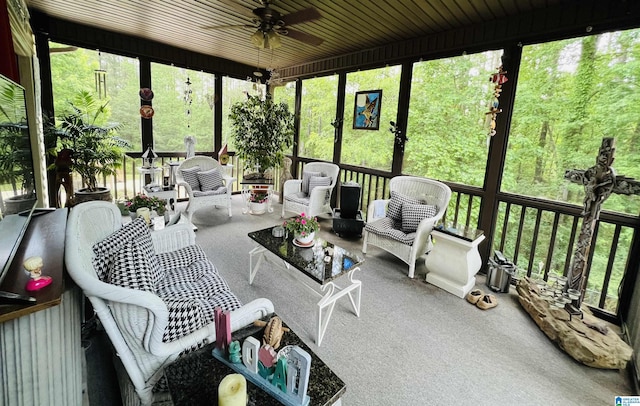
(459, 230)
(193, 379)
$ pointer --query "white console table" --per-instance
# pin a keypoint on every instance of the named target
(454, 260)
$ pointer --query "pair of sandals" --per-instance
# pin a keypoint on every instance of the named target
(484, 302)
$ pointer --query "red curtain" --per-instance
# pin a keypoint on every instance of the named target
(8, 60)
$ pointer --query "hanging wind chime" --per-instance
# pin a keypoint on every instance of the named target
(100, 77)
(188, 100)
(498, 79)
(189, 140)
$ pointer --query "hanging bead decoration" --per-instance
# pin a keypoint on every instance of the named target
(188, 100)
(498, 79)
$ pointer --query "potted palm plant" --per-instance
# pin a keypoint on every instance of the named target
(262, 131)
(16, 165)
(97, 150)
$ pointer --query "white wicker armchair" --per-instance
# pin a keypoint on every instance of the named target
(135, 320)
(199, 198)
(296, 196)
(387, 229)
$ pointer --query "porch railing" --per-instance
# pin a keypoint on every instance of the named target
(538, 235)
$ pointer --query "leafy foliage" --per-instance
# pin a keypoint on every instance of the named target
(15, 150)
(302, 225)
(96, 149)
(262, 131)
(140, 200)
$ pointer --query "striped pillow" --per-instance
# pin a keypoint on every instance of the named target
(316, 181)
(190, 176)
(306, 177)
(210, 180)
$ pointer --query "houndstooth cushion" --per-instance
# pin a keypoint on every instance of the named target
(394, 210)
(131, 266)
(191, 288)
(180, 258)
(390, 228)
(219, 191)
(316, 181)
(306, 177)
(210, 180)
(190, 176)
(413, 214)
(105, 249)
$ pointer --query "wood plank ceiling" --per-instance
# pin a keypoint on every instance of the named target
(345, 25)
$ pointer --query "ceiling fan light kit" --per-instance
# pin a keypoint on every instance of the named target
(271, 24)
(266, 40)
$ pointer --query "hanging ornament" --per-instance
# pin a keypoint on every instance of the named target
(188, 100)
(100, 77)
(498, 78)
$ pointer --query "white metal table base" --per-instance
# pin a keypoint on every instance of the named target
(246, 193)
(331, 291)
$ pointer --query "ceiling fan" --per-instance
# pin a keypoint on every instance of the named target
(269, 24)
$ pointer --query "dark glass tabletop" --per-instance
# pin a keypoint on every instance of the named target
(323, 262)
(194, 378)
(460, 231)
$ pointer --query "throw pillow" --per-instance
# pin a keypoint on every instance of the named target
(210, 180)
(131, 267)
(306, 177)
(413, 214)
(105, 249)
(316, 181)
(394, 210)
(190, 175)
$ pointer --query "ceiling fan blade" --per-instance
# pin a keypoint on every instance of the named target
(221, 27)
(304, 37)
(297, 17)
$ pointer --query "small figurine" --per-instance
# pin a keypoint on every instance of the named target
(272, 332)
(34, 266)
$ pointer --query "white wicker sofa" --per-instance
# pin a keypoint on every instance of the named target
(154, 293)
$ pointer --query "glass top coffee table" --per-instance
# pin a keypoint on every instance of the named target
(324, 264)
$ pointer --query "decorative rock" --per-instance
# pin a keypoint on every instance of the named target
(575, 336)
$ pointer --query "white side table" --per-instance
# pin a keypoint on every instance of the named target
(170, 195)
(454, 260)
(258, 185)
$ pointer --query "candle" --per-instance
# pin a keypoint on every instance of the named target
(144, 213)
(232, 391)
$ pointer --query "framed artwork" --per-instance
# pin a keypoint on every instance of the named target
(366, 110)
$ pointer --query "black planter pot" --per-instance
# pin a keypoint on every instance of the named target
(84, 195)
(16, 204)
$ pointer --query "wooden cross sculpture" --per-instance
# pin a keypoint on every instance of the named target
(599, 182)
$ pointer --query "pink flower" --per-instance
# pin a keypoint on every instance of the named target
(302, 215)
(303, 221)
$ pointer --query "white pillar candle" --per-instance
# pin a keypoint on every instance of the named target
(232, 391)
(144, 213)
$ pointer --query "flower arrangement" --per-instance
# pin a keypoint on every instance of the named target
(302, 225)
(257, 196)
(140, 200)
